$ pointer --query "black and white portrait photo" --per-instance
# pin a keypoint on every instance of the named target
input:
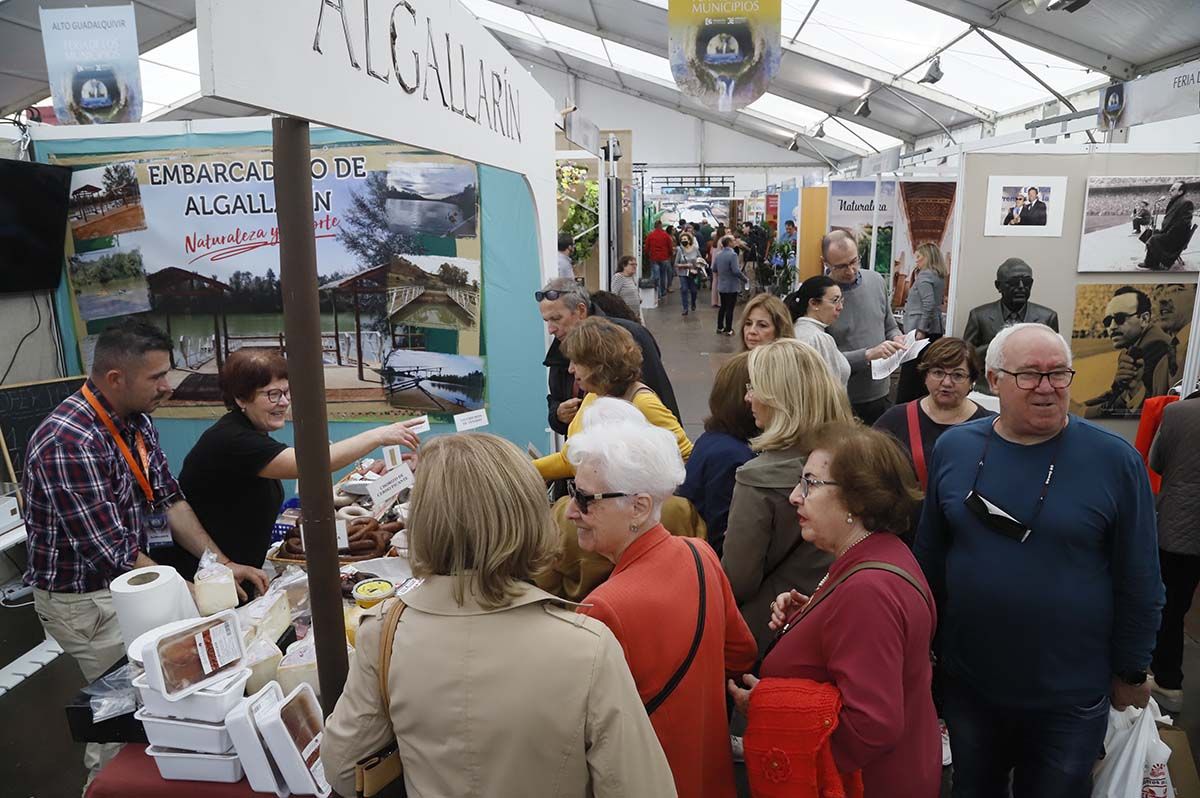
(1140, 224)
(1129, 343)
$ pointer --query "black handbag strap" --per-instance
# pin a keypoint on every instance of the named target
(655, 702)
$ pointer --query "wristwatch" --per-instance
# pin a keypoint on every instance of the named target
(1133, 678)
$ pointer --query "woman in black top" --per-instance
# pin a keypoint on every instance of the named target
(232, 476)
(949, 368)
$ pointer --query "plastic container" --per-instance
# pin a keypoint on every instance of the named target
(187, 735)
(293, 732)
(209, 705)
(139, 642)
(260, 768)
(183, 661)
(369, 593)
(190, 766)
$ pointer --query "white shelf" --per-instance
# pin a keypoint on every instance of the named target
(28, 664)
(13, 537)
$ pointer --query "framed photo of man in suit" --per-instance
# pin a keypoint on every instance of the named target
(1025, 206)
(1140, 224)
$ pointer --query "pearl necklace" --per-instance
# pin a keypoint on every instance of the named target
(856, 541)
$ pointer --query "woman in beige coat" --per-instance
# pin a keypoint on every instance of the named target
(791, 394)
(494, 688)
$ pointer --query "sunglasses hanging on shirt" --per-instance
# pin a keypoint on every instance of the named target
(995, 517)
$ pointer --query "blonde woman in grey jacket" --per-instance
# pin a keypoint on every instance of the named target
(791, 394)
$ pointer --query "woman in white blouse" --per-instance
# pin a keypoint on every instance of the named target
(815, 305)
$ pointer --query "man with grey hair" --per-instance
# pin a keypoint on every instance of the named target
(563, 304)
(1038, 539)
(866, 329)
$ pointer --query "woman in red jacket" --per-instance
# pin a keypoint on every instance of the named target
(867, 632)
(667, 601)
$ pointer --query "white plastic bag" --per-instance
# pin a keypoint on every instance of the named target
(1135, 761)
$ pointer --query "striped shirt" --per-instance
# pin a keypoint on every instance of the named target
(84, 512)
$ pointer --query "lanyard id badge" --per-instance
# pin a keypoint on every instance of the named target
(157, 529)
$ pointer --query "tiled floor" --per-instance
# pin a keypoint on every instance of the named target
(692, 352)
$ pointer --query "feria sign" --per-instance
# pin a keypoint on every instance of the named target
(419, 72)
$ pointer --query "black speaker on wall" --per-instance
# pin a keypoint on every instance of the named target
(33, 224)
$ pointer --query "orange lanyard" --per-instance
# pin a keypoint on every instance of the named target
(139, 472)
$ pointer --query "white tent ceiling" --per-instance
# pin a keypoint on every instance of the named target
(23, 78)
(836, 53)
(1120, 38)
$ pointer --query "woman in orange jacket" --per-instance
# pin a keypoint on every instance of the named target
(667, 601)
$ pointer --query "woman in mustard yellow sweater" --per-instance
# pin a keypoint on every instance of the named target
(606, 361)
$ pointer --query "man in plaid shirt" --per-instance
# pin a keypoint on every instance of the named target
(88, 513)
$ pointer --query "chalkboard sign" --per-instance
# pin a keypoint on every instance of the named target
(22, 408)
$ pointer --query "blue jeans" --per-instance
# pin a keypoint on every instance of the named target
(1049, 753)
(662, 272)
(687, 292)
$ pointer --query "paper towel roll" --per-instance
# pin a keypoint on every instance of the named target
(148, 597)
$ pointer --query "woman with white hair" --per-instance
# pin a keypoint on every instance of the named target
(578, 572)
(667, 601)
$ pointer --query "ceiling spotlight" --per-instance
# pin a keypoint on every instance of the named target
(819, 133)
(1030, 6)
(1070, 6)
(934, 73)
(864, 108)
(794, 144)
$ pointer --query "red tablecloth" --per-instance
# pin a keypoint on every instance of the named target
(133, 774)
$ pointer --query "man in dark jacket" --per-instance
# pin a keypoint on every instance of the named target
(1144, 365)
(1166, 244)
(1035, 210)
(565, 303)
(1141, 217)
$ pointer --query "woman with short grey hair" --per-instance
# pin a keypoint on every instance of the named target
(667, 601)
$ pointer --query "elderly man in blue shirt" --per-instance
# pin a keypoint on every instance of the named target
(1038, 538)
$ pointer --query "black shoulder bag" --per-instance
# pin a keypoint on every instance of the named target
(657, 701)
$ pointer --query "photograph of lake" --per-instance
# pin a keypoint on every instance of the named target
(433, 381)
(437, 199)
(109, 283)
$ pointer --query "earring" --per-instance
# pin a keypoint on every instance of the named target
(633, 528)
(849, 518)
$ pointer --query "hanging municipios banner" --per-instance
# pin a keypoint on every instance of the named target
(92, 64)
(724, 53)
